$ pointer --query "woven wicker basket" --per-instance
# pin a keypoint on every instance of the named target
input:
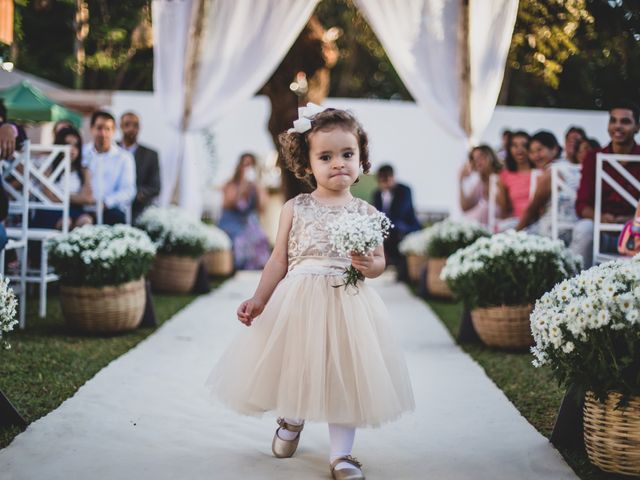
(415, 264)
(173, 273)
(505, 327)
(219, 263)
(104, 309)
(612, 436)
(435, 286)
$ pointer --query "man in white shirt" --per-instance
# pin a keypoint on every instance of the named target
(113, 170)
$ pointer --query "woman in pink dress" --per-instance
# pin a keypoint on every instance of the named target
(514, 183)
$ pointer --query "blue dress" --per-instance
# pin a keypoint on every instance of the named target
(250, 244)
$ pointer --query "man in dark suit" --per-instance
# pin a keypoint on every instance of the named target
(147, 165)
(395, 200)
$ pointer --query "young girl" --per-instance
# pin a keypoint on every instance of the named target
(317, 352)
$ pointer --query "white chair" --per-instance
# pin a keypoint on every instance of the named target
(601, 176)
(559, 187)
(18, 207)
(49, 190)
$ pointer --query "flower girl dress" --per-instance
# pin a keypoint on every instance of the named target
(317, 352)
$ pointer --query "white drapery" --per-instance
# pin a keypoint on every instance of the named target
(421, 38)
(242, 43)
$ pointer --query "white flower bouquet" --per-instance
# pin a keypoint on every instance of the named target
(360, 234)
(442, 239)
(217, 239)
(587, 329)
(174, 232)
(511, 268)
(97, 256)
(8, 308)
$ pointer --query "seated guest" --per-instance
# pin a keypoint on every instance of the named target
(60, 124)
(504, 145)
(475, 201)
(544, 150)
(585, 147)
(147, 166)
(79, 186)
(624, 123)
(243, 198)
(572, 139)
(395, 200)
(514, 181)
(113, 170)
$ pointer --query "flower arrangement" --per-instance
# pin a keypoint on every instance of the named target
(8, 308)
(444, 238)
(358, 233)
(101, 255)
(414, 243)
(217, 239)
(173, 232)
(587, 329)
(511, 268)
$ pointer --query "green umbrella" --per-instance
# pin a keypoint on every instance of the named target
(26, 103)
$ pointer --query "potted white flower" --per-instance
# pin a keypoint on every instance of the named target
(8, 306)
(500, 277)
(414, 247)
(218, 258)
(587, 330)
(442, 240)
(181, 242)
(102, 270)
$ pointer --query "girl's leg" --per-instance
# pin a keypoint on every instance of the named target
(286, 434)
(341, 438)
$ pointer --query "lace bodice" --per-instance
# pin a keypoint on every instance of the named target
(309, 237)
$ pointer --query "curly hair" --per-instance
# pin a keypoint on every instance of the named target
(294, 146)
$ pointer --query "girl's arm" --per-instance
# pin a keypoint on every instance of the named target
(274, 270)
(466, 202)
(85, 195)
(537, 203)
(502, 199)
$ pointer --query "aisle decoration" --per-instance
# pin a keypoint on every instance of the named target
(357, 233)
(442, 240)
(181, 242)
(8, 309)
(218, 258)
(414, 247)
(102, 271)
(500, 277)
(587, 330)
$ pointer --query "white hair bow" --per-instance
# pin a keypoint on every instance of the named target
(303, 123)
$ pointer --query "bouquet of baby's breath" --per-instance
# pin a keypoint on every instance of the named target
(8, 306)
(101, 255)
(444, 238)
(511, 268)
(217, 239)
(358, 233)
(587, 329)
(174, 232)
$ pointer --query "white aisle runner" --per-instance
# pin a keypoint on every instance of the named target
(147, 414)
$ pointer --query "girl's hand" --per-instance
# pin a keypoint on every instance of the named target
(248, 310)
(362, 262)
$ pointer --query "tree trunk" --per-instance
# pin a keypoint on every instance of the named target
(81, 24)
(314, 57)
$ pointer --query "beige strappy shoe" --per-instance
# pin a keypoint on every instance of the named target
(285, 448)
(354, 473)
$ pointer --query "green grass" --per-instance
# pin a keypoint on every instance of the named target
(47, 362)
(533, 391)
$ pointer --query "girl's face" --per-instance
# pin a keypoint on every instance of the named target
(518, 150)
(481, 162)
(75, 148)
(541, 155)
(334, 158)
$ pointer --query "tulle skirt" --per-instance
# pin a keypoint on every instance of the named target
(317, 353)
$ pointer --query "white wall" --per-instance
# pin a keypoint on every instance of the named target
(424, 155)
